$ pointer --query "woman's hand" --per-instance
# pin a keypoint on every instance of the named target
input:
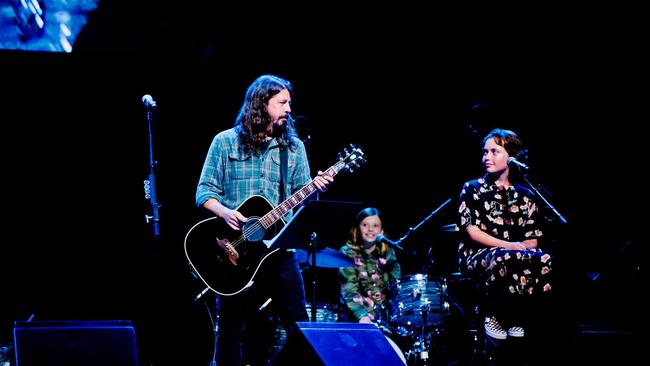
(517, 245)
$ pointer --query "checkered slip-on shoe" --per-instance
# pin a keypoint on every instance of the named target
(516, 332)
(494, 329)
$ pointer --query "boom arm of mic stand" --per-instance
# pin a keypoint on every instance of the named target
(548, 204)
(397, 245)
(413, 229)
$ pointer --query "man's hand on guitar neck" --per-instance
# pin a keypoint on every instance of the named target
(322, 181)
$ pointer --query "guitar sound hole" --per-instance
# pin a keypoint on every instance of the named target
(252, 231)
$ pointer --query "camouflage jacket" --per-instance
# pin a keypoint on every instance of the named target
(367, 283)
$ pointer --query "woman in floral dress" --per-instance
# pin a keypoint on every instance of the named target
(500, 228)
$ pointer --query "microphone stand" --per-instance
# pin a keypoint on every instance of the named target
(313, 249)
(215, 328)
(413, 229)
(150, 183)
(539, 194)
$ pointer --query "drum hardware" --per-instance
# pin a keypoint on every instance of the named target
(417, 294)
(325, 313)
(382, 319)
(419, 309)
(420, 346)
(410, 295)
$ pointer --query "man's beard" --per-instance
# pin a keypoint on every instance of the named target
(278, 129)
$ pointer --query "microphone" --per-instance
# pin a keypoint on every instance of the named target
(517, 163)
(298, 118)
(381, 238)
(148, 101)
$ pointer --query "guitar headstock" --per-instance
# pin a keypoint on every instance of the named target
(352, 158)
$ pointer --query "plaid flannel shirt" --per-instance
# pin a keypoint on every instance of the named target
(231, 176)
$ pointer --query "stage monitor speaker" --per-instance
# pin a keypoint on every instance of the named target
(75, 343)
(338, 344)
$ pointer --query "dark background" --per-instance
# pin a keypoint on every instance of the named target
(416, 87)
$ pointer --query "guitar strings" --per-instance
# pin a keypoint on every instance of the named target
(257, 225)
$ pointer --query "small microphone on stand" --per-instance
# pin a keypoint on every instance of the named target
(383, 239)
(514, 162)
(148, 102)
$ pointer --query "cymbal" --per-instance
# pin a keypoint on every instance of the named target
(325, 258)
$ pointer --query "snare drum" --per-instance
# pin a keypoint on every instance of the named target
(416, 301)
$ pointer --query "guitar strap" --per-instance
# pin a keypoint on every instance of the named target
(284, 162)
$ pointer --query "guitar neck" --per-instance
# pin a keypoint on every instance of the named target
(296, 198)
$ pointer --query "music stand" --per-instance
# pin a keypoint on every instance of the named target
(314, 223)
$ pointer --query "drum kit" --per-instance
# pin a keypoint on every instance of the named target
(413, 320)
(418, 310)
(412, 324)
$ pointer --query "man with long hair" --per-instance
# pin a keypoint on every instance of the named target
(244, 161)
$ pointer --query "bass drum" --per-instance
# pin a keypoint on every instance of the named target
(416, 301)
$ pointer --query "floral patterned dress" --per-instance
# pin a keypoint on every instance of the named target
(507, 213)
